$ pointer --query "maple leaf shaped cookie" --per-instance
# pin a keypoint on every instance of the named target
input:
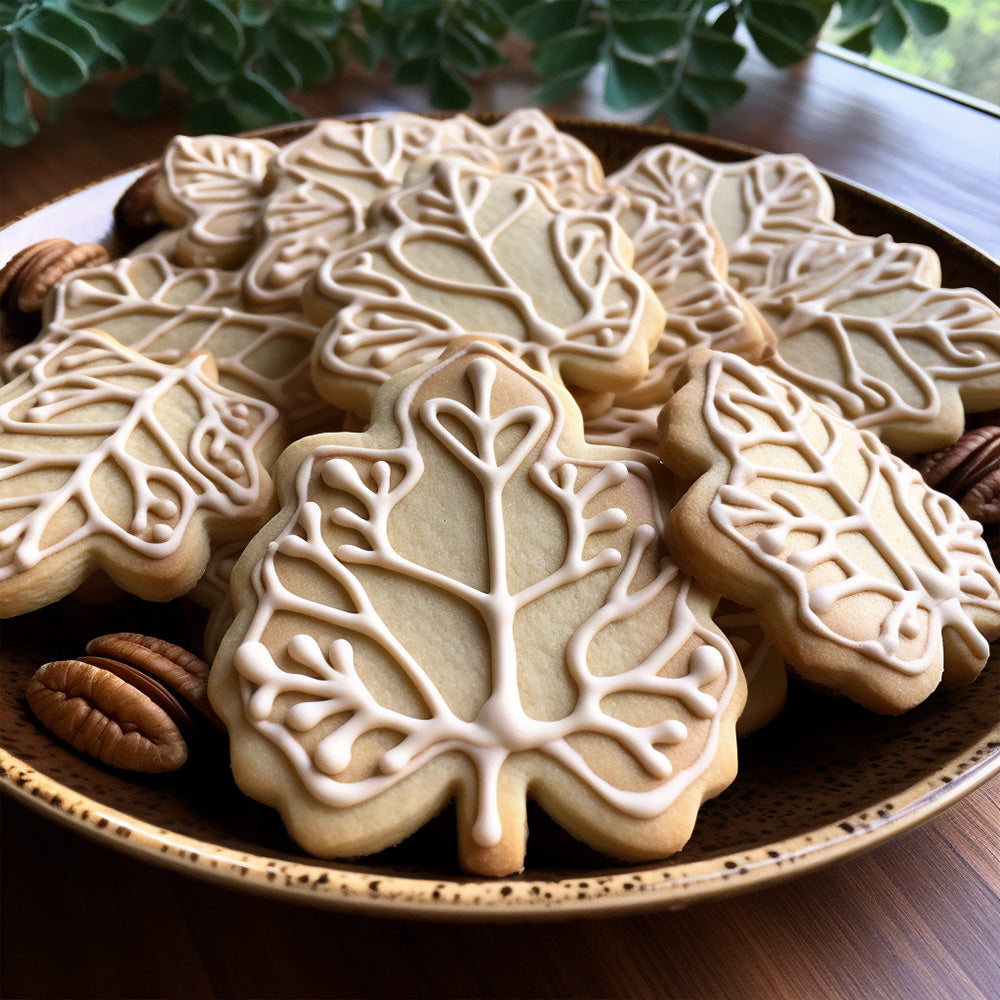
(210, 191)
(164, 312)
(463, 250)
(111, 462)
(870, 583)
(468, 602)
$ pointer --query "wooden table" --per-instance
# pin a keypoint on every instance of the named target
(917, 918)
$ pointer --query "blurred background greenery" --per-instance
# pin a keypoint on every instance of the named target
(965, 57)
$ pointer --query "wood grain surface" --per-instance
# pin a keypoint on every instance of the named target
(918, 917)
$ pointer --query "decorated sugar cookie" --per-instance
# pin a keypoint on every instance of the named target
(322, 184)
(460, 249)
(684, 265)
(869, 582)
(165, 311)
(467, 602)
(111, 463)
(860, 330)
(210, 190)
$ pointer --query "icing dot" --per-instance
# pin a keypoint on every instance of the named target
(233, 468)
(771, 542)
(162, 532)
(163, 508)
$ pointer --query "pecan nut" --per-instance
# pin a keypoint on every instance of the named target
(136, 216)
(29, 276)
(176, 668)
(132, 702)
(969, 471)
(99, 714)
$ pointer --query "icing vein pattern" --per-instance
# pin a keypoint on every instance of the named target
(97, 443)
(609, 567)
(463, 250)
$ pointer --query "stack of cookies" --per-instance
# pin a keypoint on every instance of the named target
(504, 479)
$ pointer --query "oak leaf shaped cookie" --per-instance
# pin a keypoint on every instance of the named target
(468, 602)
(861, 330)
(870, 583)
(684, 265)
(322, 184)
(463, 250)
(164, 311)
(111, 462)
(210, 191)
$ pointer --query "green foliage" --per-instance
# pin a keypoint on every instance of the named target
(237, 61)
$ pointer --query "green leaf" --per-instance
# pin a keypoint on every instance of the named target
(50, 67)
(780, 47)
(714, 54)
(446, 90)
(890, 31)
(218, 21)
(141, 12)
(651, 36)
(259, 102)
(462, 54)
(712, 93)
(684, 114)
(926, 18)
(58, 24)
(630, 84)
(412, 71)
(17, 121)
(559, 87)
(569, 52)
(212, 116)
(418, 39)
(858, 12)
(312, 59)
(859, 41)
(541, 21)
(277, 70)
(138, 96)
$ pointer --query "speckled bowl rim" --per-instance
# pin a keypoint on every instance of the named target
(602, 893)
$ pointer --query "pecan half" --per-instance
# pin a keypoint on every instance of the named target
(136, 216)
(132, 702)
(28, 277)
(101, 715)
(969, 471)
(178, 669)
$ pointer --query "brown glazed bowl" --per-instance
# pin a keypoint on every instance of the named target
(826, 780)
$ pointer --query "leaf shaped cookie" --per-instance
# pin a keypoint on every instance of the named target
(684, 265)
(868, 581)
(164, 312)
(468, 602)
(460, 249)
(109, 461)
(210, 189)
(859, 329)
(323, 183)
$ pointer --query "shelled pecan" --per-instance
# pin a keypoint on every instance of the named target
(28, 277)
(969, 471)
(136, 216)
(133, 702)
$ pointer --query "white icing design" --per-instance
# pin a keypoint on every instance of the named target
(91, 411)
(323, 183)
(832, 514)
(291, 687)
(447, 256)
(860, 330)
(166, 312)
(211, 189)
